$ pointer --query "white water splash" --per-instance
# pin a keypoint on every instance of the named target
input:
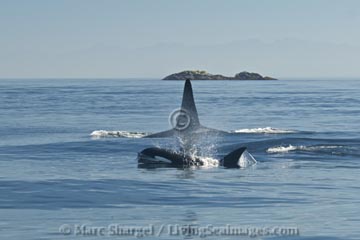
(208, 162)
(245, 160)
(265, 130)
(121, 134)
(283, 149)
(280, 149)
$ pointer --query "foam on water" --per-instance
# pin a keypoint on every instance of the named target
(208, 162)
(121, 134)
(129, 134)
(245, 160)
(265, 130)
(282, 149)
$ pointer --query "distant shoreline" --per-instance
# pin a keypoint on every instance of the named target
(203, 75)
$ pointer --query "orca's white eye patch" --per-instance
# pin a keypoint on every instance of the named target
(162, 159)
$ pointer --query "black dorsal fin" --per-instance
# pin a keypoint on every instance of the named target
(188, 103)
(232, 159)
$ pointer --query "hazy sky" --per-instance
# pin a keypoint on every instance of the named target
(153, 38)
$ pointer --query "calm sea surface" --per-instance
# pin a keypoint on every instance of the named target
(55, 177)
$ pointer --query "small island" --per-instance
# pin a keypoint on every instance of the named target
(203, 75)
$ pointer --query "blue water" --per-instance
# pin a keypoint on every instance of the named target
(304, 134)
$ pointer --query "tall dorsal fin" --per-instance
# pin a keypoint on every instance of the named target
(188, 103)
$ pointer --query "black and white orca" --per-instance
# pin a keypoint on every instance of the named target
(187, 127)
(154, 156)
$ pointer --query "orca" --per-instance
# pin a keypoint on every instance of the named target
(186, 121)
(159, 157)
(186, 126)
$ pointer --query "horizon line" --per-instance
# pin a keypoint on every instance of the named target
(157, 78)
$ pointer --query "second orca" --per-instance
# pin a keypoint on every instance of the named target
(156, 157)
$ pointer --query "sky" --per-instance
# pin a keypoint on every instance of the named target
(154, 38)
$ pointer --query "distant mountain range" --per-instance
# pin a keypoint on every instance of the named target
(203, 75)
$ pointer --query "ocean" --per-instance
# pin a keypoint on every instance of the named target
(68, 160)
